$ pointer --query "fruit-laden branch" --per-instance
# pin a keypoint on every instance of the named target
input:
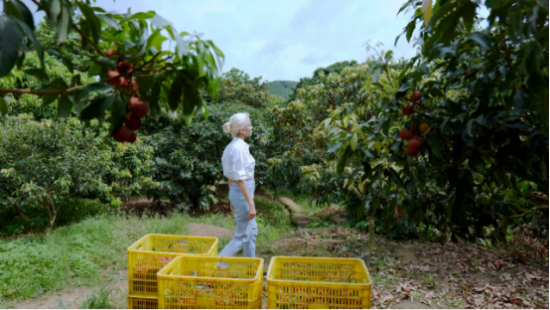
(77, 30)
(40, 92)
(49, 92)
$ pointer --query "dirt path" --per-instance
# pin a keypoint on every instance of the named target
(297, 214)
(73, 298)
(209, 231)
(406, 274)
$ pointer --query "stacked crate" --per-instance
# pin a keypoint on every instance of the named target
(150, 254)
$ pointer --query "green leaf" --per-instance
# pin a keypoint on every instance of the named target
(58, 84)
(92, 19)
(155, 94)
(94, 69)
(190, 100)
(3, 106)
(410, 29)
(481, 39)
(64, 107)
(63, 23)
(160, 21)
(176, 92)
(145, 83)
(48, 99)
(182, 47)
(75, 80)
(10, 44)
(97, 87)
(30, 34)
(20, 60)
(96, 108)
(118, 115)
(469, 14)
(345, 154)
(105, 62)
(110, 21)
(53, 9)
(395, 177)
(544, 170)
(409, 185)
(142, 16)
(433, 143)
(353, 142)
(155, 40)
(427, 10)
(380, 124)
(334, 147)
(20, 11)
(470, 126)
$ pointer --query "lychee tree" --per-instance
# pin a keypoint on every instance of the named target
(134, 71)
(464, 124)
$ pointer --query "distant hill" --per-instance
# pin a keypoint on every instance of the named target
(282, 88)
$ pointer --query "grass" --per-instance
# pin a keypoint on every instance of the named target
(273, 223)
(303, 201)
(99, 299)
(77, 255)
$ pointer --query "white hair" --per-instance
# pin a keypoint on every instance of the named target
(236, 122)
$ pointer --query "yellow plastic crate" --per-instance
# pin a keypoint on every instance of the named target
(138, 302)
(197, 282)
(318, 283)
(153, 251)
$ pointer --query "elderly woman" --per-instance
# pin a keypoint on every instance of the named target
(238, 167)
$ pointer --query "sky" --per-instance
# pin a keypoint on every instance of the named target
(282, 39)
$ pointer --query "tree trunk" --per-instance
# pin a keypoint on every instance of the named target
(371, 230)
(371, 227)
(52, 214)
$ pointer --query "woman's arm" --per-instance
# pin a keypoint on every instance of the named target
(248, 197)
(229, 186)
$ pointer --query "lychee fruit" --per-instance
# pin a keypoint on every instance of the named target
(111, 52)
(415, 96)
(416, 137)
(119, 81)
(133, 123)
(405, 134)
(124, 67)
(124, 134)
(408, 110)
(138, 108)
(133, 137)
(412, 147)
(423, 128)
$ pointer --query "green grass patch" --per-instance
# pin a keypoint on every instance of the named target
(304, 201)
(77, 255)
(273, 223)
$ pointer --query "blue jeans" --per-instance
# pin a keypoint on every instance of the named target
(246, 231)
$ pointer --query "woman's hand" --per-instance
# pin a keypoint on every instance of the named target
(252, 211)
(231, 207)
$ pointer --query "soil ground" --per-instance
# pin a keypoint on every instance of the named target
(406, 274)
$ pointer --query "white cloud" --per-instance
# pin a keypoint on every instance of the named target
(283, 39)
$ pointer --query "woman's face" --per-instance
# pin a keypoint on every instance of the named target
(247, 130)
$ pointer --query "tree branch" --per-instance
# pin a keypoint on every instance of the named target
(148, 62)
(48, 92)
(40, 92)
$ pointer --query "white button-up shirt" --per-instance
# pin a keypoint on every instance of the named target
(237, 162)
